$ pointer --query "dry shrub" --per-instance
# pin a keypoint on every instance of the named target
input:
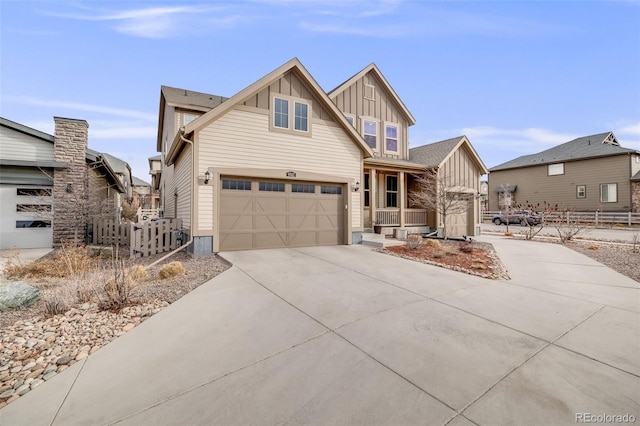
(138, 272)
(438, 254)
(117, 288)
(58, 301)
(172, 269)
(67, 261)
(450, 252)
(466, 247)
(432, 243)
(414, 241)
(593, 247)
(508, 234)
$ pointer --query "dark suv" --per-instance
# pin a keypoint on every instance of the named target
(523, 217)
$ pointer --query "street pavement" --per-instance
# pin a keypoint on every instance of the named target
(347, 335)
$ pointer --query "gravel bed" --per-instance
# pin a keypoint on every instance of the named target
(619, 257)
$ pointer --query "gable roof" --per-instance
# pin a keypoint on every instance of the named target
(373, 68)
(187, 99)
(635, 177)
(136, 181)
(593, 146)
(117, 164)
(98, 161)
(294, 65)
(435, 154)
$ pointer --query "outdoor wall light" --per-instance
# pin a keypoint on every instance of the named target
(69, 188)
(207, 176)
(356, 186)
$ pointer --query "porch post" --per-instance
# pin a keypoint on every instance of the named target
(373, 195)
(403, 196)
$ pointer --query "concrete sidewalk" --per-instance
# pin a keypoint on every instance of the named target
(346, 335)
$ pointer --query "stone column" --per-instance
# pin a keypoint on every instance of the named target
(70, 184)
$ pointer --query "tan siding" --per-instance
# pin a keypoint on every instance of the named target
(535, 186)
(242, 139)
(183, 186)
(168, 184)
(205, 207)
(18, 146)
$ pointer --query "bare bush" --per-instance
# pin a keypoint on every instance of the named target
(414, 241)
(68, 261)
(118, 287)
(466, 247)
(432, 243)
(172, 269)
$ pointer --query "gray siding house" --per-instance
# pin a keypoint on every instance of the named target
(586, 174)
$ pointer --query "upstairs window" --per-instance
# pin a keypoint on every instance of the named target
(369, 92)
(188, 117)
(555, 169)
(370, 133)
(391, 138)
(351, 119)
(281, 113)
(291, 114)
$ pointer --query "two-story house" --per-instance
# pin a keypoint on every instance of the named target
(282, 163)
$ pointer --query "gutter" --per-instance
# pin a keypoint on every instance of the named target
(188, 243)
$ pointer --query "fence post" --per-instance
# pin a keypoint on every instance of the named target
(132, 243)
(629, 219)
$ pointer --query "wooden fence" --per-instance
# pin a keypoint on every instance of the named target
(142, 239)
(595, 218)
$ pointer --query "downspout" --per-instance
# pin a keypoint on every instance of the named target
(171, 253)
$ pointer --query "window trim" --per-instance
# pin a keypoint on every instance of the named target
(291, 115)
(352, 117)
(303, 188)
(397, 126)
(331, 189)
(377, 123)
(615, 185)
(369, 88)
(549, 173)
(271, 186)
(244, 182)
(584, 191)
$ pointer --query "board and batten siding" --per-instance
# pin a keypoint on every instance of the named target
(535, 187)
(241, 139)
(182, 179)
(19, 146)
(461, 170)
(351, 101)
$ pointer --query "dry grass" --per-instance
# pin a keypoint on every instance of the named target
(138, 272)
(432, 243)
(170, 270)
(414, 241)
(68, 261)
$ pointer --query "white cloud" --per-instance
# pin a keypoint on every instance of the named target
(28, 100)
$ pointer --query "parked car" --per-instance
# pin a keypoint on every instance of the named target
(523, 217)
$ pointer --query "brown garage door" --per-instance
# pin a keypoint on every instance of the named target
(258, 213)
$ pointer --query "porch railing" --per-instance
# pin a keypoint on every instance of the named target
(391, 217)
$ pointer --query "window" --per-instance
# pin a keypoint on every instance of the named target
(301, 117)
(331, 189)
(33, 224)
(271, 186)
(555, 169)
(367, 189)
(291, 114)
(33, 208)
(302, 187)
(581, 191)
(392, 191)
(188, 117)
(281, 113)
(351, 119)
(391, 138)
(239, 185)
(370, 133)
(369, 92)
(609, 193)
(34, 192)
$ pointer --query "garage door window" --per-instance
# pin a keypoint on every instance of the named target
(239, 185)
(331, 189)
(34, 192)
(33, 208)
(304, 188)
(271, 186)
(33, 224)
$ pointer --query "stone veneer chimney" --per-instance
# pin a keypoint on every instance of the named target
(70, 183)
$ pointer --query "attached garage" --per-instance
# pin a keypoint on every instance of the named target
(261, 213)
(26, 216)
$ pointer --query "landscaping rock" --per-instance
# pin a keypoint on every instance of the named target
(17, 294)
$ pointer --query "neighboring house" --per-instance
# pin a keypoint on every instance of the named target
(142, 193)
(484, 196)
(284, 164)
(155, 170)
(123, 173)
(586, 174)
(51, 184)
(459, 168)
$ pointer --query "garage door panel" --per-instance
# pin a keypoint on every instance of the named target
(270, 239)
(236, 241)
(270, 222)
(303, 239)
(302, 222)
(271, 204)
(330, 237)
(302, 205)
(236, 204)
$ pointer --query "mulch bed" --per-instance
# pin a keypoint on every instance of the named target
(481, 258)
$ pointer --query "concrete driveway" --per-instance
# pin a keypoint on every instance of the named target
(345, 335)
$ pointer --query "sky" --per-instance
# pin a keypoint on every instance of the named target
(516, 77)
